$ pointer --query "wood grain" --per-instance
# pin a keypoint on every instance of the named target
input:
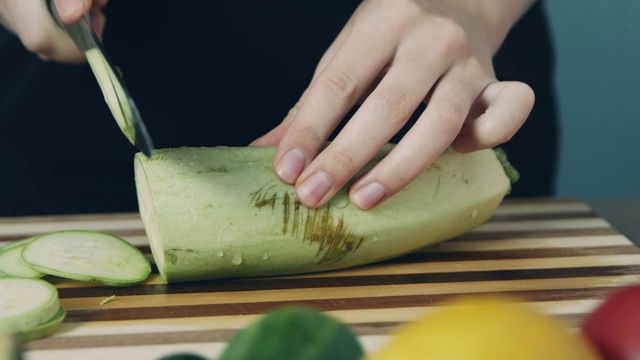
(555, 254)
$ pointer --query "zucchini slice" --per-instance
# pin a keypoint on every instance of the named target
(44, 329)
(26, 303)
(11, 263)
(87, 256)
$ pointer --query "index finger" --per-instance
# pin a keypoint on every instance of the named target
(355, 64)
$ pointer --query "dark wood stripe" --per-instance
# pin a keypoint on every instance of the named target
(363, 303)
(264, 284)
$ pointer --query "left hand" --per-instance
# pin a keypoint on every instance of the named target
(394, 55)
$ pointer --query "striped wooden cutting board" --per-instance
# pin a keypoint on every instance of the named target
(556, 253)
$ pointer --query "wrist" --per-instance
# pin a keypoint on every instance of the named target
(498, 17)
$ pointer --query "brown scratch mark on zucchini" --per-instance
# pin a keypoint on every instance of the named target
(296, 217)
(330, 234)
(285, 212)
(321, 227)
(261, 197)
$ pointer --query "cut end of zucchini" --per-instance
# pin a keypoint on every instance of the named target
(87, 256)
(148, 214)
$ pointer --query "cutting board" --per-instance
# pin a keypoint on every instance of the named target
(556, 254)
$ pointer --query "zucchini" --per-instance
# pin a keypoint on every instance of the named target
(87, 256)
(221, 212)
(11, 263)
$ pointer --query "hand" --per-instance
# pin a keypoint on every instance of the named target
(394, 55)
(32, 22)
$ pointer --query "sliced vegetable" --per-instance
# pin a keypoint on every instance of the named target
(87, 256)
(11, 263)
(44, 329)
(294, 332)
(221, 212)
(26, 303)
(107, 300)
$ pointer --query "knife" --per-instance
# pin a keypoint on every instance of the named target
(109, 78)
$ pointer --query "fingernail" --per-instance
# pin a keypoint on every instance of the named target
(314, 188)
(291, 165)
(369, 195)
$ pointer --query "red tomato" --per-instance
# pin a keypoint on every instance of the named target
(614, 326)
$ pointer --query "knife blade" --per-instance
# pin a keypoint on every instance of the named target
(109, 78)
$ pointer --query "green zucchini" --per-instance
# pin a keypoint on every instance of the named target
(87, 256)
(221, 212)
(26, 303)
(44, 329)
(11, 263)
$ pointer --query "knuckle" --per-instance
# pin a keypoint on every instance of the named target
(293, 112)
(340, 84)
(309, 134)
(396, 103)
(452, 35)
(342, 159)
(452, 114)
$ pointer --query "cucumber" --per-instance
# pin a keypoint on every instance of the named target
(221, 212)
(26, 303)
(11, 263)
(294, 332)
(87, 256)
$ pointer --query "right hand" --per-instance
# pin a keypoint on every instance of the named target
(32, 22)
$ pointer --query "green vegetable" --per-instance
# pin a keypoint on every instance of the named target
(45, 329)
(87, 256)
(29, 308)
(11, 263)
(183, 356)
(107, 300)
(294, 332)
(221, 212)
